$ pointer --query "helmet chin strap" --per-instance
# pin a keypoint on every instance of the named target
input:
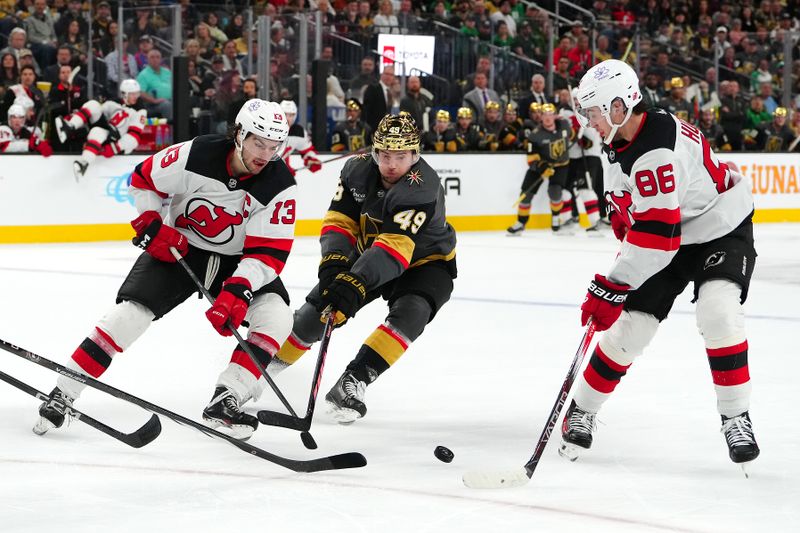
(239, 147)
(614, 127)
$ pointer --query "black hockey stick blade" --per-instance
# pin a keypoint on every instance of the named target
(273, 418)
(141, 437)
(333, 462)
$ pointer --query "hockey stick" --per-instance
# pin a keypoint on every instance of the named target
(332, 159)
(517, 477)
(332, 462)
(141, 437)
(271, 418)
(305, 436)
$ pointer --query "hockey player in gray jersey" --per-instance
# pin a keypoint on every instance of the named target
(384, 235)
(682, 216)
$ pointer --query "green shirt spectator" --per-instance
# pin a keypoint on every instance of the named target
(156, 83)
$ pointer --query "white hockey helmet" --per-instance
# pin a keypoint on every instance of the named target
(24, 102)
(16, 110)
(262, 118)
(290, 108)
(127, 87)
(601, 86)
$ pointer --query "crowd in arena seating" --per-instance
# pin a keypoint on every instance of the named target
(491, 67)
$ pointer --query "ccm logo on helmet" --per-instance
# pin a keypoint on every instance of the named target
(613, 299)
(210, 222)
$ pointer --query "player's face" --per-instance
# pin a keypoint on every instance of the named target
(258, 151)
(16, 123)
(492, 115)
(353, 114)
(290, 118)
(394, 164)
(597, 121)
(441, 125)
(132, 98)
(464, 122)
(548, 120)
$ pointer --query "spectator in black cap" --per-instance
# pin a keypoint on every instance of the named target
(101, 21)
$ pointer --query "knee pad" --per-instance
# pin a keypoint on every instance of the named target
(97, 134)
(307, 325)
(409, 315)
(126, 322)
(627, 338)
(93, 109)
(270, 316)
(720, 315)
(555, 192)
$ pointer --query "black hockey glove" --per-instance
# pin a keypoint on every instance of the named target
(346, 294)
(331, 265)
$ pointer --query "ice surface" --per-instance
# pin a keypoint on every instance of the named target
(481, 381)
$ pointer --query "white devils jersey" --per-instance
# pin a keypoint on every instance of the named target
(252, 215)
(670, 190)
(122, 117)
(14, 143)
(298, 141)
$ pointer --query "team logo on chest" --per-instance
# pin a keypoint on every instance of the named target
(717, 258)
(211, 222)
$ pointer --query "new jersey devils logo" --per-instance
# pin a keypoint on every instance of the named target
(717, 258)
(622, 203)
(210, 222)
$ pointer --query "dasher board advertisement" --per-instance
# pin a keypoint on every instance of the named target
(415, 51)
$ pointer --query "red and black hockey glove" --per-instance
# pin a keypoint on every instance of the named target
(603, 302)
(230, 306)
(110, 149)
(40, 145)
(346, 294)
(312, 163)
(331, 265)
(618, 225)
(156, 238)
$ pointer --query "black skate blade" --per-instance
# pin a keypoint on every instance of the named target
(334, 462)
(271, 418)
(145, 434)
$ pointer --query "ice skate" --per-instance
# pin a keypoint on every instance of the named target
(79, 167)
(346, 399)
(594, 231)
(576, 432)
(53, 412)
(742, 445)
(64, 129)
(516, 229)
(224, 411)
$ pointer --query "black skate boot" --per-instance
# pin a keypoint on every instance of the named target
(79, 167)
(576, 432)
(346, 399)
(515, 229)
(53, 412)
(64, 129)
(742, 446)
(224, 410)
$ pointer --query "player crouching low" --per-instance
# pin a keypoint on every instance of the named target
(385, 235)
(227, 204)
(116, 126)
(682, 216)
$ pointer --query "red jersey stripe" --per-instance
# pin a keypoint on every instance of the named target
(337, 229)
(655, 242)
(144, 179)
(394, 253)
(667, 216)
(276, 264)
(284, 245)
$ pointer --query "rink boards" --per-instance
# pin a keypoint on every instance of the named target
(40, 201)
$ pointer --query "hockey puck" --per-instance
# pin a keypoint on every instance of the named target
(443, 454)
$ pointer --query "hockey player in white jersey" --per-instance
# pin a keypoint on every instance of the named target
(298, 141)
(682, 216)
(227, 204)
(16, 137)
(116, 127)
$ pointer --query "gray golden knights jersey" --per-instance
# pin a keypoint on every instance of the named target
(551, 146)
(192, 186)
(671, 190)
(386, 231)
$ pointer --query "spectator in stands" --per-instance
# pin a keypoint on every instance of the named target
(602, 51)
(755, 117)
(736, 34)
(327, 12)
(208, 45)
(732, 114)
(277, 37)
(529, 43)
(75, 40)
(406, 19)
(25, 88)
(700, 94)
(765, 92)
(347, 21)
(235, 27)
(191, 49)
(477, 98)
(9, 73)
(230, 90)
(72, 12)
(101, 21)
(212, 21)
(231, 60)
(702, 44)
(378, 98)
(580, 57)
(130, 69)
(107, 44)
(156, 83)
(565, 44)
(41, 33)
(751, 55)
(16, 44)
(63, 57)
(145, 45)
(386, 21)
(141, 25)
(365, 77)
(212, 76)
(415, 102)
(536, 93)
(365, 19)
(721, 42)
(504, 15)
(561, 77)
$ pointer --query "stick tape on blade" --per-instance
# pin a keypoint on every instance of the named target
(502, 479)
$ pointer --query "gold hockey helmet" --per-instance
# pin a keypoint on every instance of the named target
(396, 133)
(465, 112)
(491, 104)
(548, 108)
(535, 107)
(354, 104)
(779, 112)
(443, 114)
(676, 82)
